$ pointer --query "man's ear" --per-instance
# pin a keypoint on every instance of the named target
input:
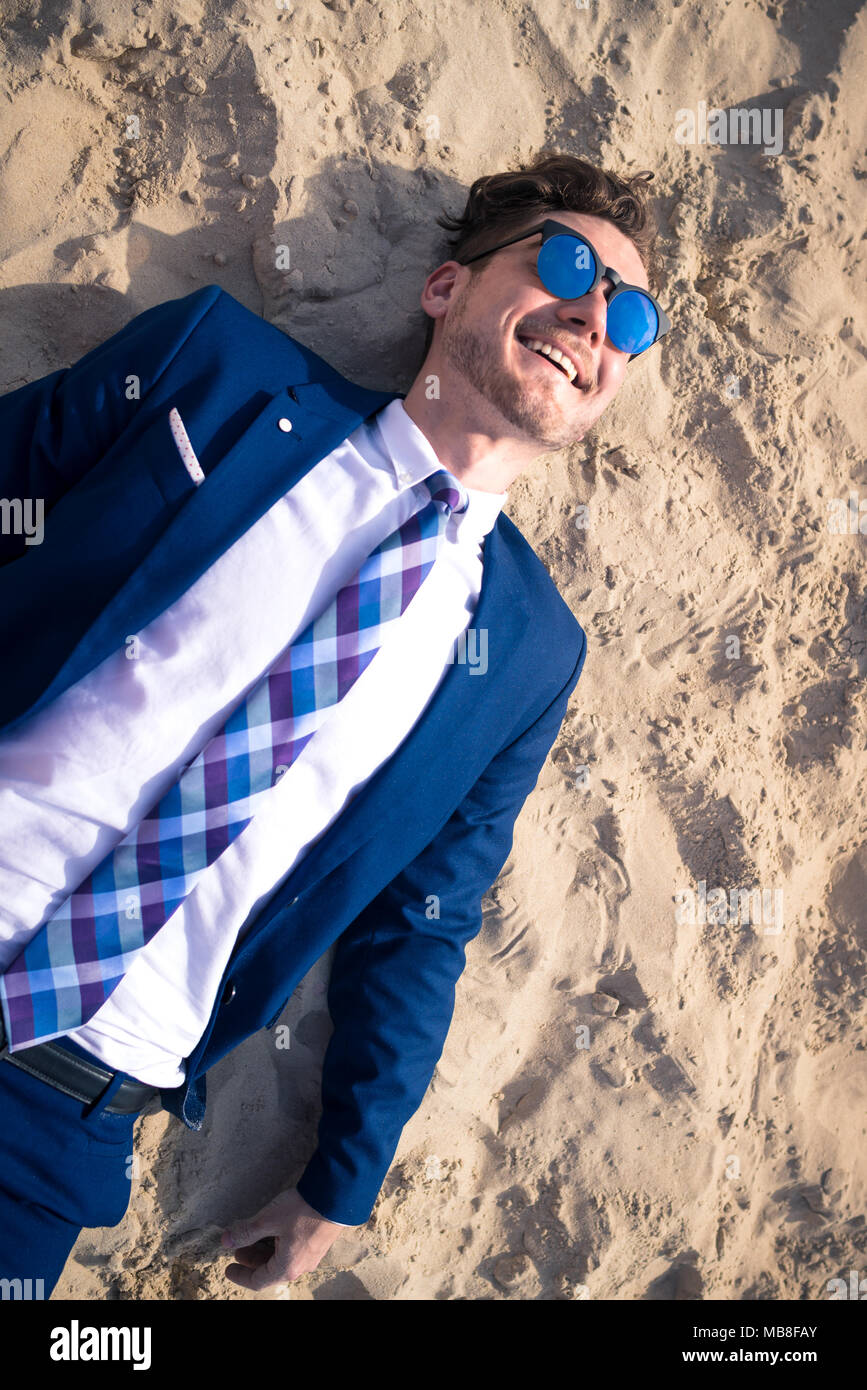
(440, 286)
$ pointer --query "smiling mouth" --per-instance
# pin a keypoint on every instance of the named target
(558, 360)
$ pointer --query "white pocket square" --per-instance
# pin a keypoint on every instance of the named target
(185, 448)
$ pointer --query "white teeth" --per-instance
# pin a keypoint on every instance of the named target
(536, 345)
(558, 356)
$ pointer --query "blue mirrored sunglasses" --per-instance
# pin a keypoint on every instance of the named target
(569, 267)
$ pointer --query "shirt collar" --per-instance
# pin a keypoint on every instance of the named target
(413, 459)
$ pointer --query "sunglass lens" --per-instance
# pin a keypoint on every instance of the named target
(633, 322)
(567, 267)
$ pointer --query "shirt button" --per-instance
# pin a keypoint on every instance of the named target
(403, 476)
(284, 425)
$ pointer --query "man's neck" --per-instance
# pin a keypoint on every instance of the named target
(479, 456)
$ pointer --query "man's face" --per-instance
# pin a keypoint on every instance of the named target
(487, 315)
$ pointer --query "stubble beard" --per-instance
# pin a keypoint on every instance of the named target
(529, 407)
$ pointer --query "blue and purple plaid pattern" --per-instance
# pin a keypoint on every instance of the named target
(70, 967)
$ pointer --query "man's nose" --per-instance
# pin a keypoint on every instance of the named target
(590, 312)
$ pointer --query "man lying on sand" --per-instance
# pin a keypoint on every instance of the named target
(284, 676)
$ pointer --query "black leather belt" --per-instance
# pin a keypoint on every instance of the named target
(76, 1077)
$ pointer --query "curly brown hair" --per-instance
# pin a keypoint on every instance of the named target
(499, 205)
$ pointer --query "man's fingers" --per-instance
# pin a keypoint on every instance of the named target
(276, 1245)
(248, 1232)
(254, 1255)
(270, 1273)
(258, 1278)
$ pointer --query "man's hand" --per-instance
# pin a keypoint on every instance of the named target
(286, 1238)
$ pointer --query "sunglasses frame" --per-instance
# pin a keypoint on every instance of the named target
(551, 228)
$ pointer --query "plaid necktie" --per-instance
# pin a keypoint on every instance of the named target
(81, 953)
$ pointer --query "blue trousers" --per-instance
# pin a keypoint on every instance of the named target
(64, 1165)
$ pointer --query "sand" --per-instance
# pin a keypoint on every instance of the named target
(629, 1106)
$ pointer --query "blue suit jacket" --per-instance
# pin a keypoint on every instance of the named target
(126, 532)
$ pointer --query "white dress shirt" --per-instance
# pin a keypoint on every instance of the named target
(78, 775)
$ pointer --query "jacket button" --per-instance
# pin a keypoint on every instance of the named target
(229, 992)
(284, 424)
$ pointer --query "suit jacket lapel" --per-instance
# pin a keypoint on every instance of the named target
(263, 464)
